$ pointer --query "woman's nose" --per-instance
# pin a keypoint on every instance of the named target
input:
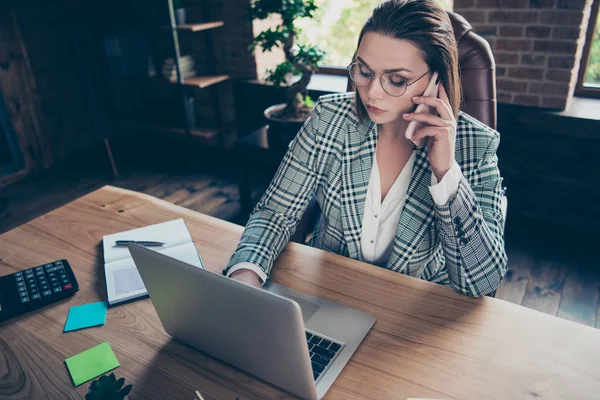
(375, 90)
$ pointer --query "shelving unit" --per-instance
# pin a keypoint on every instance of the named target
(200, 82)
(212, 135)
(197, 27)
(205, 135)
(205, 81)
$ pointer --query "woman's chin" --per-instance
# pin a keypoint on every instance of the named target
(381, 118)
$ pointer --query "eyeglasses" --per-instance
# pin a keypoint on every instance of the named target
(391, 83)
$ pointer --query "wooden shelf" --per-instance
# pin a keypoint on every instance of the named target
(204, 81)
(206, 135)
(197, 27)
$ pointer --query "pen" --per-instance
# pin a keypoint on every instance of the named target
(140, 242)
(199, 395)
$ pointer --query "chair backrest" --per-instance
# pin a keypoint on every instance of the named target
(477, 72)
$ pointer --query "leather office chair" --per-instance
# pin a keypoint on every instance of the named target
(478, 79)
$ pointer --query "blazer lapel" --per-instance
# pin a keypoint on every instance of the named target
(416, 215)
(359, 149)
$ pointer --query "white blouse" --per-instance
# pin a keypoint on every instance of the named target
(380, 219)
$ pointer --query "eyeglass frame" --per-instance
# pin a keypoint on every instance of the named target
(373, 75)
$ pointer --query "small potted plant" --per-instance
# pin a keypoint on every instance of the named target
(301, 60)
(108, 388)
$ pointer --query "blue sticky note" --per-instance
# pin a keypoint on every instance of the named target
(86, 315)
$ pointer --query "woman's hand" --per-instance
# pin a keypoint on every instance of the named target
(247, 276)
(441, 131)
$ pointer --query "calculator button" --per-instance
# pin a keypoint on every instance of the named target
(35, 296)
(19, 278)
(45, 287)
(21, 284)
(17, 274)
(57, 289)
(47, 292)
(23, 294)
(68, 286)
(24, 299)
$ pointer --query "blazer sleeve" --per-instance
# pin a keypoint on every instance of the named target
(471, 228)
(276, 215)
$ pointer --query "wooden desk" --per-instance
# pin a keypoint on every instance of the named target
(428, 341)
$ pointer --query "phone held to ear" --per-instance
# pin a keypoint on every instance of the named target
(415, 126)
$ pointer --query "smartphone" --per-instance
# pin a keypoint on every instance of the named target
(415, 126)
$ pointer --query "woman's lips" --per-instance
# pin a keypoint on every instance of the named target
(374, 109)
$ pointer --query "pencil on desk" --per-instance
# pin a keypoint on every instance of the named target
(199, 395)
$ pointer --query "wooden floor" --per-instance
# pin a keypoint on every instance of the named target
(551, 269)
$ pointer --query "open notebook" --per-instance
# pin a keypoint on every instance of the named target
(123, 281)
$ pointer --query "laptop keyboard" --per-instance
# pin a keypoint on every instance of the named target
(321, 352)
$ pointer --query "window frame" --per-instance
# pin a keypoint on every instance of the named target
(332, 70)
(580, 89)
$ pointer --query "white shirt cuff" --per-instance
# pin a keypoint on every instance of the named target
(248, 265)
(443, 191)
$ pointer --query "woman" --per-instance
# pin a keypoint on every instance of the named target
(431, 212)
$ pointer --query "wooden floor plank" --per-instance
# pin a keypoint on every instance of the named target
(579, 299)
(514, 285)
(545, 286)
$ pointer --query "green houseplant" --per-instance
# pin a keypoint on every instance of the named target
(108, 388)
(301, 60)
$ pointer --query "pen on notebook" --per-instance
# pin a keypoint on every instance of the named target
(140, 242)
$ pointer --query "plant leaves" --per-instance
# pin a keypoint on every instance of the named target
(125, 391)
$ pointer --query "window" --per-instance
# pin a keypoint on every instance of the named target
(334, 28)
(588, 82)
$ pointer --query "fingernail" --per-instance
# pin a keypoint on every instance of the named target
(437, 80)
(415, 97)
(405, 115)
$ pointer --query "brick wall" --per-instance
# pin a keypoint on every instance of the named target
(537, 46)
(234, 38)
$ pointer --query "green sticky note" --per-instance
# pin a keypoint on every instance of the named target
(91, 363)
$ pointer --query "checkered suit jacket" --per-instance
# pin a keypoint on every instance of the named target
(460, 244)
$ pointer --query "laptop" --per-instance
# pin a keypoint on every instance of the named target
(291, 340)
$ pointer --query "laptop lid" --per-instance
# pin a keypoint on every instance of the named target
(257, 331)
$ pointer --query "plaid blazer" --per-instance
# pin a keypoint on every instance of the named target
(460, 244)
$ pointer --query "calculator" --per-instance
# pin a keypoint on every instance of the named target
(36, 287)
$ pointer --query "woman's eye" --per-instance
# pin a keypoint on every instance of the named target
(365, 74)
(397, 81)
